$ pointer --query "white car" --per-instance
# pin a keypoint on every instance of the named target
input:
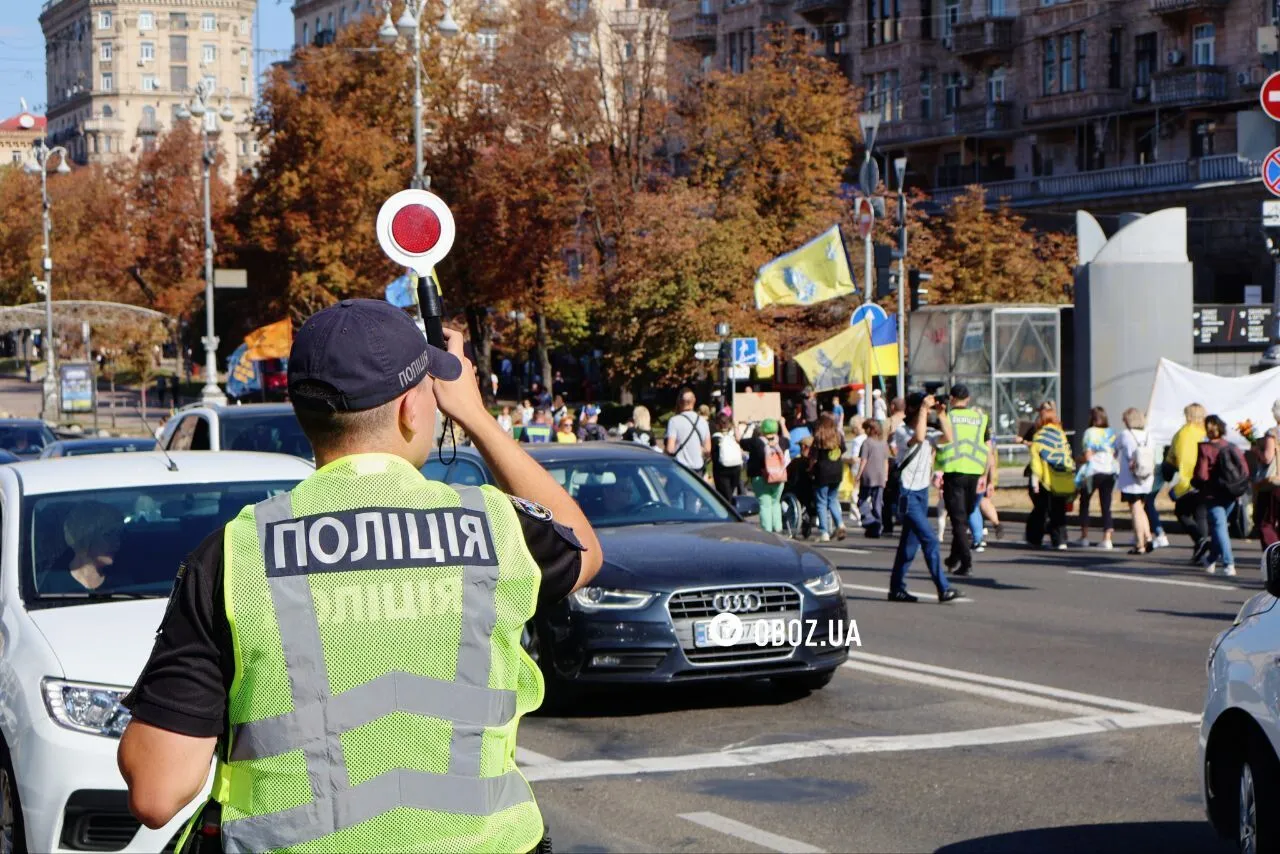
(269, 427)
(1240, 728)
(68, 653)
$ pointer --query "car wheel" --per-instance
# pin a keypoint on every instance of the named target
(13, 835)
(804, 683)
(557, 689)
(1258, 830)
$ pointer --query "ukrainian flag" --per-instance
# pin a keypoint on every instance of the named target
(815, 272)
(839, 361)
(884, 346)
(271, 341)
(243, 376)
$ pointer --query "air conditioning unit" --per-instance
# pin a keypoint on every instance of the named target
(1141, 93)
(1175, 57)
(840, 30)
(141, 62)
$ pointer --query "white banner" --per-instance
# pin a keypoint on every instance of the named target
(1233, 399)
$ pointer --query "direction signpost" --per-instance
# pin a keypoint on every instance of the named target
(706, 351)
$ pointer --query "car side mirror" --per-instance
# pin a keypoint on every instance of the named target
(747, 505)
(1271, 569)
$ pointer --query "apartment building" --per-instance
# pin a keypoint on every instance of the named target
(118, 70)
(17, 135)
(1110, 105)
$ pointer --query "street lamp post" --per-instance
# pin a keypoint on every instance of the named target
(202, 109)
(41, 155)
(410, 27)
(868, 177)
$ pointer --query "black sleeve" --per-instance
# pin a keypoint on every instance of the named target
(184, 686)
(558, 553)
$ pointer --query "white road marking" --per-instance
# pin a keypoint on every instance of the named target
(754, 835)
(837, 747)
(1147, 579)
(843, 549)
(1012, 684)
(1016, 697)
(527, 758)
(884, 591)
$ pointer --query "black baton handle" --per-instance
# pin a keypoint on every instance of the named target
(432, 308)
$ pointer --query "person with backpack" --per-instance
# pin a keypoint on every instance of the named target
(1179, 469)
(1221, 476)
(1097, 475)
(1136, 474)
(1266, 484)
(825, 457)
(768, 455)
(688, 438)
(1053, 481)
(726, 458)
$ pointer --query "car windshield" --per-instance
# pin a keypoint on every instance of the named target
(277, 433)
(24, 438)
(123, 543)
(621, 492)
(109, 448)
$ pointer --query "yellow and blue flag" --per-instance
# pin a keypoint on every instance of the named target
(815, 272)
(271, 341)
(403, 292)
(884, 346)
(243, 376)
(839, 361)
(765, 365)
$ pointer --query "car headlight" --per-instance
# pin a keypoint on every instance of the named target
(827, 584)
(94, 709)
(602, 598)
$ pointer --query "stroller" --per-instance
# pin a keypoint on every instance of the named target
(799, 507)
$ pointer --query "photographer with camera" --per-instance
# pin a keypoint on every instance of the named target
(966, 466)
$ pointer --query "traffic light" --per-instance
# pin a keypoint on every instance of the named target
(919, 294)
(886, 279)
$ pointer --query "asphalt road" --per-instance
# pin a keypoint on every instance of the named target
(1055, 709)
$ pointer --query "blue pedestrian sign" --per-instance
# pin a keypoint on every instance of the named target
(1271, 172)
(746, 351)
(868, 309)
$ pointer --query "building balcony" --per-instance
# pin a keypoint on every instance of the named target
(958, 177)
(981, 37)
(910, 130)
(626, 20)
(1121, 180)
(822, 8)
(693, 26)
(1073, 105)
(1178, 7)
(1197, 85)
(978, 119)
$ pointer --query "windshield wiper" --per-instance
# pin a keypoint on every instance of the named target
(95, 594)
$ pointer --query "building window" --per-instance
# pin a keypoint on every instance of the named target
(996, 86)
(342, 17)
(244, 85)
(208, 22)
(629, 50)
(244, 57)
(104, 51)
(149, 119)
(1049, 66)
(210, 82)
(1144, 58)
(150, 83)
(147, 51)
(581, 45)
(244, 148)
(107, 112)
(329, 22)
(306, 33)
(1115, 58)
(146, 20)
(950, 14)
(1068, 64)
(108, 82)
(209, 54)
(17, 157)
(177, 48)
(926, 94)
(178, 78)
(926, 19)
(1081, 80)
(148, 142)
(487, 43)
(952, 93)
(884, 22)
(1202, 52)
(177, 20)
(104, 20)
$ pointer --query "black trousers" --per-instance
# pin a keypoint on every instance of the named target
(728, 481)
(1103, 485)
(1048, 516)
(1193, 516)
(960, 496)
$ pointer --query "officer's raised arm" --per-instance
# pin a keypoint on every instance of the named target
(515, 471)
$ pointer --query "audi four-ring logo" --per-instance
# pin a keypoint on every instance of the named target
(737, 603)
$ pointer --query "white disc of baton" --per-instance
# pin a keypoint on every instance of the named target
(416, 229)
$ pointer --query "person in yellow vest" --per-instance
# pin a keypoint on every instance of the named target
(966, 466)
(350, 651)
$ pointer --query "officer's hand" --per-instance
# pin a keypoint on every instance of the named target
(460, 399)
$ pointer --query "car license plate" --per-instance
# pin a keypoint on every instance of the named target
(703, 638)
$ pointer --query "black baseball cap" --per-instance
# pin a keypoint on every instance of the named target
(362, 353)
(960, 391)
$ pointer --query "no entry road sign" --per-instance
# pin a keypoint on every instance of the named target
(1269, 96)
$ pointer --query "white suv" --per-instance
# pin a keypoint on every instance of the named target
(267, 427)
(121, 524)
(1240, 728)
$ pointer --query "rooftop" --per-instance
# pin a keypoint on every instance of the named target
(24, 122)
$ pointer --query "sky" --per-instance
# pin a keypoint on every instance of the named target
(22, 48)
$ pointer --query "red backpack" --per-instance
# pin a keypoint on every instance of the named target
(775, 464)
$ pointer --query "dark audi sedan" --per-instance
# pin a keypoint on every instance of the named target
(676, 556)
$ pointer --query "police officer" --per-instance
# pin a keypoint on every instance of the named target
(966, 465)
(351, 649)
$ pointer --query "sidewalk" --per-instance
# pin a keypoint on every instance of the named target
(20, 399)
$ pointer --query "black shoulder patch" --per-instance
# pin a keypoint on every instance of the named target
(530, 508)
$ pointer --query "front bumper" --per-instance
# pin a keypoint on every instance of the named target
(74, 799)
(648, 646)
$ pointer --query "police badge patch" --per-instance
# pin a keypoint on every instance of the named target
(530, 508)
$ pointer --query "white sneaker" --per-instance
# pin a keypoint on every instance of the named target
(824, 537)
(1083, 543)
(1162, 542)
(1106, 545)
(1212, 568)
(1229, 570)
(1062, 547)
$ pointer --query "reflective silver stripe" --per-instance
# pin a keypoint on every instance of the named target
(351, 806)
(475, 646)
(418, 695)
(319, 719)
